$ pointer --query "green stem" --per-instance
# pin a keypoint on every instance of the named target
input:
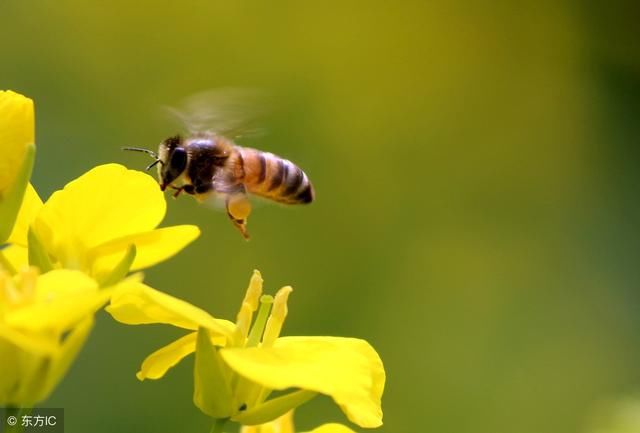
(218, 425)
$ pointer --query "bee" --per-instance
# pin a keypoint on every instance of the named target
(206, 164)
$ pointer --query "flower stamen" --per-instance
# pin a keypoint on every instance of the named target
(277, 317)
(258, 327)
(19, 290)
(249, 305)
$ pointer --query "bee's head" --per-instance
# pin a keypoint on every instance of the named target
(171, 160)
(172, 157)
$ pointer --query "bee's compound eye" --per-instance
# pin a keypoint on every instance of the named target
(175, 167)
(178, 161)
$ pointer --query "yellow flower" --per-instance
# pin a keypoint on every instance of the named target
(18, 150)
(237, 366)
(91, 223)
(284, 424)
(16, 134)
(44, 321)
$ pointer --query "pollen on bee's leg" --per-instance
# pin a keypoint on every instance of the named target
(239, 206)
(238, 209)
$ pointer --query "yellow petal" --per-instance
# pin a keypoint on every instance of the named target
(283, 424)
(142, 305)
(347, 369)
(31, 205)
(332, 428)
(60, 363)
(63, 299)
(28, 342)
(151, 247)
(16, 255)
(106, 203)
(35, 376)
(29, 373)
(159, 362)
(63, 283)
(10, 361)
(16, 133)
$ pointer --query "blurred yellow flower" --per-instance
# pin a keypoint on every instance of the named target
(44, 321)
(18, 151)
(284, 424)
(621, 415)
(237, 366)
(91, 223)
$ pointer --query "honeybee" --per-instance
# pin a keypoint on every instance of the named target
(206, 164)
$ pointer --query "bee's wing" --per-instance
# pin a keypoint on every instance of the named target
(223, 188)
(230, 112)
(217, 201)
(214, 201)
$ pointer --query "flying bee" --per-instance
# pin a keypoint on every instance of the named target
(206, 164)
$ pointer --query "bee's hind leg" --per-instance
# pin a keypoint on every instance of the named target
(238, 209)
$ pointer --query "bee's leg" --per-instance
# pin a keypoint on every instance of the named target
(238, 210)
(187, 188)
(178, 191)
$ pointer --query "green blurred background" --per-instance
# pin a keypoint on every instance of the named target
(477, 193)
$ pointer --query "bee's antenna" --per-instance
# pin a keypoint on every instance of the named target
(153, 164)
(149, 152)
(140, 149)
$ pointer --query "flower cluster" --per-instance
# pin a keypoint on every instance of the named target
(94, 221)
(239, 365)
(63, 259)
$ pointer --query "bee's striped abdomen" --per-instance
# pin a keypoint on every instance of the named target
(275, 178)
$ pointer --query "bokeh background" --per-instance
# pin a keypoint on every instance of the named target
(476, 168)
